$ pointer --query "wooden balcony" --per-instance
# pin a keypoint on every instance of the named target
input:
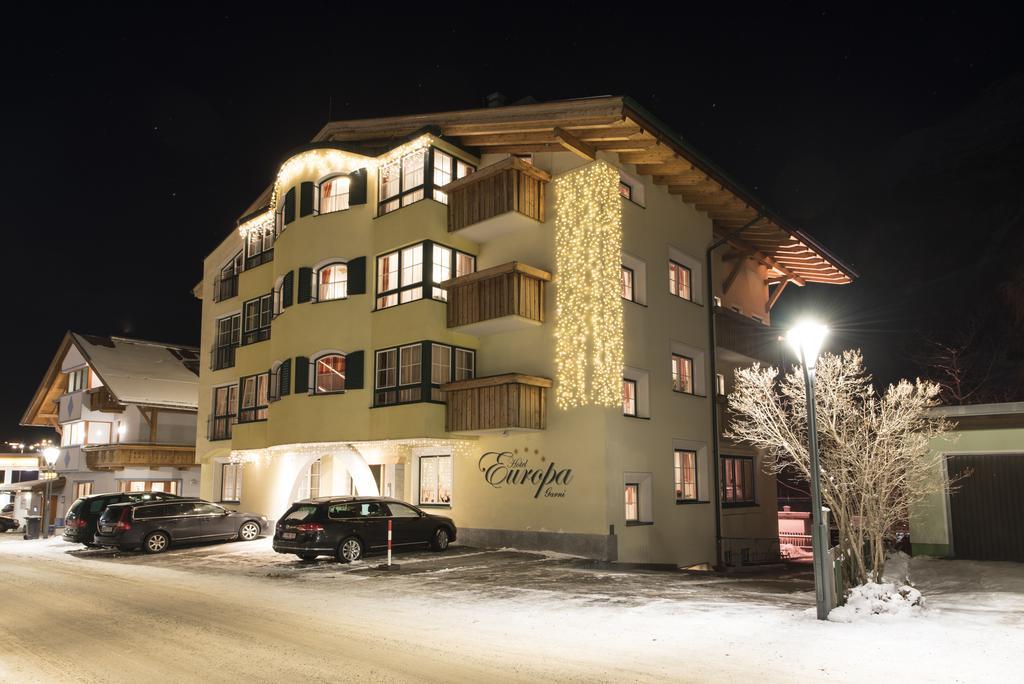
(120, 456)
(497, 299)
(102, 399)
(513, 402)
(496, 199)
(737, 333)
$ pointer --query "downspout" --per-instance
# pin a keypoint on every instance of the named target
(713, 384)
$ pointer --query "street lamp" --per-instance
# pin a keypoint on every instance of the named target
(50, 455)
(806, 338)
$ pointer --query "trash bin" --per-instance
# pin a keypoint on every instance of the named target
(32, 526)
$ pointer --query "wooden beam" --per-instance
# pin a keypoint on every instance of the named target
(575, 145)
(675, 178)
(775, 295)
(655, 155)
(767, 260)
(737, 267)
(153, 425)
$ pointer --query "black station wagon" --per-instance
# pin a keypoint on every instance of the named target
(80, 521)
(349, 527)
(155, 526)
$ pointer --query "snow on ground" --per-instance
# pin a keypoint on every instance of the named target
(234, 612)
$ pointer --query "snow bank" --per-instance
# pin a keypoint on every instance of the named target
(883, 599)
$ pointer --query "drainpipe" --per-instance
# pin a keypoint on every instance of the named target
(713, 365)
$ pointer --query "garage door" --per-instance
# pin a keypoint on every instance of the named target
(987, 508)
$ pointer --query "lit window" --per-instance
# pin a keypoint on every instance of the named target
(387, 280)
(464, 264)
(73, 434)
(387, 368)
(330, 374)
(401, 378)
(628, 397)
(332, 282)
(400, 275)
(231, 482)
(685, 469)
(78, 379)
(737, 479)
(682, 374)
(679, 280)
(334, 194)
(627, 283)
(309, 488)
(442, 174)
(255, 394)
(625, 189)
(632, 502)
(83, 489)
(256, 322)
(442, 270)
(259, 246)
(435, 480)
(410, 372)
(225, 412)
(465, 364)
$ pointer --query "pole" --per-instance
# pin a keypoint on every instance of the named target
(44, 530)
(819, 534)
(389, 542)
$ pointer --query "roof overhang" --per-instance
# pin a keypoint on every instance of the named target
(619, 125)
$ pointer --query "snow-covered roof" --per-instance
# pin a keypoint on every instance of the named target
(140, 372)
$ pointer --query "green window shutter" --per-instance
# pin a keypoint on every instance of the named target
(289, 206)
(287, 290)
(357, 276)
(301, 374)
(357, 187)
(306, 198)
(354, 370)
(305, 285)
(284, 377)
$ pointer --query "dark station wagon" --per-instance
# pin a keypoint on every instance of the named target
(80, 521)
(350, 527)
(155, 526)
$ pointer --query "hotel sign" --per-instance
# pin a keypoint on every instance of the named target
(502, 468)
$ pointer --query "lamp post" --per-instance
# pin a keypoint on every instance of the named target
(806, 338)
(50, 455)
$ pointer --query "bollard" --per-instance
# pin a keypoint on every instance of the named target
(389, 565)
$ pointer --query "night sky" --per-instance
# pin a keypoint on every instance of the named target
(133, 138)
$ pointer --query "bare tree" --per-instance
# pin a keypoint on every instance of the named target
(962, 366)
(874, 450)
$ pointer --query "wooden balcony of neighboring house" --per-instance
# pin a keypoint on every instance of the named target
(102, 399)
(497, 299)
(496, 199)
(745, 336)
(499, 403)
(120, 456)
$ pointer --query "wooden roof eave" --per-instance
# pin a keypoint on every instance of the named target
(48, 390)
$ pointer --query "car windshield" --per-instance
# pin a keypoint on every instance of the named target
(300, 513)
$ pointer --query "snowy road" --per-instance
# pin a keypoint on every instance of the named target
(239, 612)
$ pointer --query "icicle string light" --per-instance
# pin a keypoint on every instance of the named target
(320, 162)
(588, 303)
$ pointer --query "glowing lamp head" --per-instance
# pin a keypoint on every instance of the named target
(50, 455)
(806, 338)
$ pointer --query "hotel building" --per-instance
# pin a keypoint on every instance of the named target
(525, 316)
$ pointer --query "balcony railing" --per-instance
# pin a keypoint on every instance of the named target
(738, 333)
(222, 357)
(120, 456)
(225, 288)
(497, 403)
(497, 299)
(496, 199)
(102, 399)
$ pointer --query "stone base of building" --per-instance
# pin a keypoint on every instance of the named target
(596, 546)
(934, 550)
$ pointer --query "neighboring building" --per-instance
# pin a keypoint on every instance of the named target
(982, 518)
(502, 313)
(126, 414)
(19, 477)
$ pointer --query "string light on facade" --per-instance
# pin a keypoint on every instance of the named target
(588, 303)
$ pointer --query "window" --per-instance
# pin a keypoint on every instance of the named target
(83, 489)
(165, 486)
(625, 189)
(86, 432)
(737, 480)
(231, 482)
(225, 412)
(628, 397)
(631, 188)
(334, 194)
(682, 374)
(411, 178)
(679, 278)
(257, 315)
(400, 376)
(309, 488)
(685, 470)
(226, 284)
(400, 276)
(627, 283)
(330, 374)
(280, 379)
(435, 480)
(332, 282)
(255, 398)
(78, 379)
(73, 434)
(229, 335)
(259, 246)
(632, 502)
(402, 511)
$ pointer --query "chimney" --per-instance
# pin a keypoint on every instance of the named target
(495, 99)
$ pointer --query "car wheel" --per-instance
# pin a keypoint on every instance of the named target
(156, 542)
(350, 549)
(439, 542)
(307, 557)
(248, 531)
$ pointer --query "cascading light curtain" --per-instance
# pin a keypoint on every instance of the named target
(588, 304)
